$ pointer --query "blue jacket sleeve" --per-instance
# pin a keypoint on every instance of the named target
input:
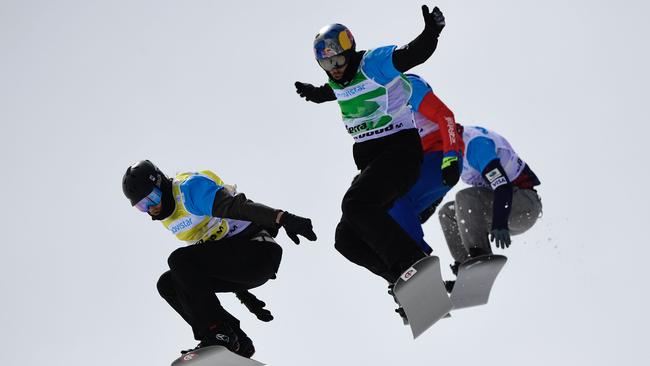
(378, 64)
(480, 152)
(198, 194)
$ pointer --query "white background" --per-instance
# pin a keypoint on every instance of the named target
(89, 87)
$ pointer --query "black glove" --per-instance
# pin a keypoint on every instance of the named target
(246, 347)
(450, 171)
(314, 94)
(254, 305)
(434, 21)
(296, 225)
(501, 237)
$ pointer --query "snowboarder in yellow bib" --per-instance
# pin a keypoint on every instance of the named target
(231, 247)
(373, 94)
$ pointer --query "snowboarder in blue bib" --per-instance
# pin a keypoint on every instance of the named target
(373, 94)
(231, 247)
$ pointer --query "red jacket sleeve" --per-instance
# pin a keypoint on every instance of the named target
(436, 111)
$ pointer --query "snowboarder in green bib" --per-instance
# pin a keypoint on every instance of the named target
(373, 94)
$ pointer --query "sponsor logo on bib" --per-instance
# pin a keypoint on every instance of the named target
(495, 178)
(348, 92)
(183, 224)
(493, 174)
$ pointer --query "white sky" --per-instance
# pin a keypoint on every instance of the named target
(88, 87)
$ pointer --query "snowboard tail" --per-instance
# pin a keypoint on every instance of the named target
(475, 279)
(421, 292)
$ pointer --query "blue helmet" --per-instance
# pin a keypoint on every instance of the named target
(333, 40)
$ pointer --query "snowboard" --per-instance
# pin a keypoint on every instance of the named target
(421, 292)
(214, 356)
(475, 279)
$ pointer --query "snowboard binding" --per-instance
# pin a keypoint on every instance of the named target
(400, 310)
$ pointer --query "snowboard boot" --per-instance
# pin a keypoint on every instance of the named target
(400, 310)
(454, 268)
(220, 334)
(449, 285)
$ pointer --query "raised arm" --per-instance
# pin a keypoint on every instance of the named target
(423, 46)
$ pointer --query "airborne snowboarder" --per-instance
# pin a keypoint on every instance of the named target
(503, 191)
(442, 145)
(440, 170)
(502, 200)
(231, 247)
(373, 94)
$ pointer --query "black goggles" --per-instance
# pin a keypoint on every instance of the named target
(334, 62)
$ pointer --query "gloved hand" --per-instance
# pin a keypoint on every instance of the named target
(501, 237)
(314, 94)
(434, 20)
(246, 347)
(296, 225)
(450, 171)
(254, 305)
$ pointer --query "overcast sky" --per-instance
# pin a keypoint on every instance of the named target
(89, 87)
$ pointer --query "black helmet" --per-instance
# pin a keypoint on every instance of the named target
(140, 179)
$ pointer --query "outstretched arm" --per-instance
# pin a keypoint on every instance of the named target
(204, 197)
(239, 207)
(422, 47)
(316, 94)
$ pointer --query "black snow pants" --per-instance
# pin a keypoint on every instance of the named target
(367, 235)
(228, 265)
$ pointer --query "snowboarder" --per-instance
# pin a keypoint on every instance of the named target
(373, 94)
(442, 145)
(502, 200)
(231, 247)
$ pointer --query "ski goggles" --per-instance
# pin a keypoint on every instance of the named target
(334, 62)
(152, 199)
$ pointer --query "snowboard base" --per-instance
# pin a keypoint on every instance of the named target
(421, 292)
(475, 279)
(214, 356)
